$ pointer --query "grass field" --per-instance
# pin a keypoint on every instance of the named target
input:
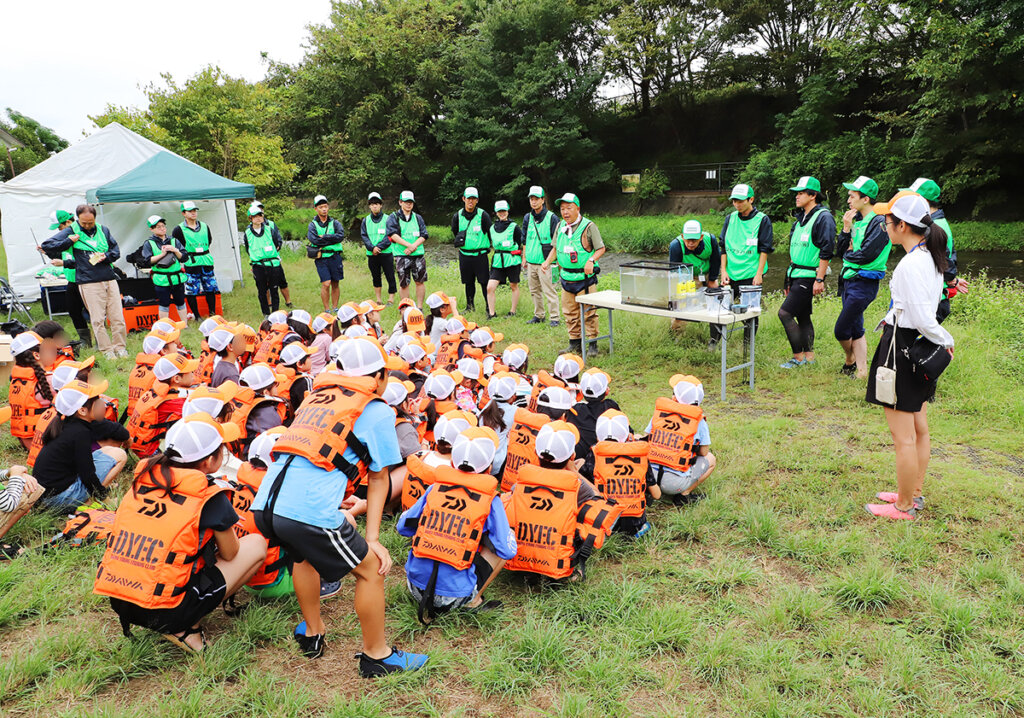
(776, 596)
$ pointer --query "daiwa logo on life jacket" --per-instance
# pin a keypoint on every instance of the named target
(135, 547)
(446, 523)
(425, 544)
(533, 559)
(119, 581)
(535, 534)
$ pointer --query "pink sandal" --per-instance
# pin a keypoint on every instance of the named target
(890, 497)
(889, 511)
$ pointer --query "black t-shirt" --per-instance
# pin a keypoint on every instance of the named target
(218, 513)
(584, 417)
(69, 456)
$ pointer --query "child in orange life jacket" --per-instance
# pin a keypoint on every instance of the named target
(71, 465)
(157, 343)
(460, 329)
(296, 364)
(349, 314)
(416, 353)
(440, 307)
(484, 339)
(54, 340)
(551, 405)
(460, 532)
(421, 465)
(324, 327)
(173, 555)
(499, 413)
(250, 335)
(229, 343)
(30, 392)
(620, 471)
(516, 358)
(438, 398)
(568, 368)
(259, 412)
(298, 502)
(206, 354)
(371, 318)
(680, 453)
(471, 388)
(412, 322)
(594, 388)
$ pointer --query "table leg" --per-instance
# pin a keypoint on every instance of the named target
(583, 333)
(724, 343)
(611, 333)
(753, 341)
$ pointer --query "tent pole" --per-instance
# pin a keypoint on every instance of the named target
(233, 228)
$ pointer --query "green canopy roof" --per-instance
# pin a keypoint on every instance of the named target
(166, 176)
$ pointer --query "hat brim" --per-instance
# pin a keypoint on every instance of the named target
(562, 200)
(5, 414)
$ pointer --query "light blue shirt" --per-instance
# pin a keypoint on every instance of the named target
(508, 413)
(703, 438)
(313, 495)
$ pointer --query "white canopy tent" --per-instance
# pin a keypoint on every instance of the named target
(65, 180)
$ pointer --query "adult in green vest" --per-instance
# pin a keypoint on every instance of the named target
(952, 285)
(864, 246)
(471, 229)
(577, 248)
(407, 232)
(379, 252)
(506, 265)
(272, 226)
(812, 240)
(700, 250)
(539, 226)
(746, 240)
(165, 256)
(61, 220)
(325, 236)
(94, 251)
(199, 275)
(262, 241)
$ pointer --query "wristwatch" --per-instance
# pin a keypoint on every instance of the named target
(819, 280)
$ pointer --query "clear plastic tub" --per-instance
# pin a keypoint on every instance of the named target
(661, 285)
(717, 300)
(750, 297)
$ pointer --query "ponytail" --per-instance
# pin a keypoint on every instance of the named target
(56, 426)
(493, 416)
(935, 242)
(29, 358)
(159, 467)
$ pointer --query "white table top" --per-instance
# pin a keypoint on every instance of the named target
(611, 299)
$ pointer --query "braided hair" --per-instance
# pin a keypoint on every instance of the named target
(30, 359)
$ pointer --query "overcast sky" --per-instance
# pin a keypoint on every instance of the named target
(61, 61)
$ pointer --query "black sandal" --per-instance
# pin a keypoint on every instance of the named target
(232, 609)
(179, 639)
(10, 551)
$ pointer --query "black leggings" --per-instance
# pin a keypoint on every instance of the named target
(474, 268)
(383, 262)
(266, 280)
(76, 309)
(795, 314)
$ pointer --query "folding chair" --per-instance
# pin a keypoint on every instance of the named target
(10, 301)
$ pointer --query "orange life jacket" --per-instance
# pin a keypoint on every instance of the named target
(91, 526)
(205, 371)
(522, 445)
(65, 353)
(141, 378)
(542, 511)
(323, 423)
(673, 429)
(418, 477)
(25, 407)
(247, 483)
(453, 518)
(242, 405)
(110, 407)
(442, 407)
(620, 474)
(544, 380)
(448, 352)
(269, 350)
(37, 439)
(472, 352)
(155, 546)
(143, 426)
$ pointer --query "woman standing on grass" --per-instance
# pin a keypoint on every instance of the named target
(916, 288)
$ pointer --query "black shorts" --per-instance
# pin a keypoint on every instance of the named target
(799, 302)
(332, 552)
(410, 269)
(912, 389)
(171, 294)
(473, 268)
(507, 274)
(204, 593)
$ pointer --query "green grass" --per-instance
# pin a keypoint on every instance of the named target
(775, 596)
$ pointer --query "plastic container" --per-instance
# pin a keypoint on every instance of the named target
(750, 296)
(661, 285)
(717, 300)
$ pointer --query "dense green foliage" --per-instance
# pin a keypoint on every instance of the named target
(38, 143)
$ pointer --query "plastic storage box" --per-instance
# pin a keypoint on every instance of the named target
(662, 285)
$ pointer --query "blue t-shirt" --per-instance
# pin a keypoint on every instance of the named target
(508, 413)
(313, 495)
(703, 438)
(450, 581)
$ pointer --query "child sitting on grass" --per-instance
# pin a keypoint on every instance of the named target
(680, 442)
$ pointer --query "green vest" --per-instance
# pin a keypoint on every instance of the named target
(68, 257)
(503, 243)
(476, 240)
(410, 232)
(700, 261)
(331, 249)
(741, 246)
(857, 241)
(85, 243)
(942, 222)
(568, 247)
(261, 247)
(534, 239)
(803, 254)
(197, 245)
(165, 276)
(376, 230)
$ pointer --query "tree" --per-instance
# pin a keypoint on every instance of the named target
(39, 142)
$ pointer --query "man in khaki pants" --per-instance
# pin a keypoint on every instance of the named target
(539, 226)
(95, 251)
(578, 246)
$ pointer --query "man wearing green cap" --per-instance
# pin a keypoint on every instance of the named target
(864, 246)
(539, 226)
(746, 240)
(262, 242)
(930, 190)
(61, 220)
(380, 256)
(408, 231)
(811, 245)
(699, 249)
(164, 256)
(272, 226)
(325, 236)
(200, 278)
(577, 248)
(471, 229)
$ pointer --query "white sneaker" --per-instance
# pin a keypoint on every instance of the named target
(190, 317)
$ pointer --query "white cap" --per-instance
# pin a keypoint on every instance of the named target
(451, 424)
(692, 229)
(319, 199)
(741, 191)
(406, 196)
(257, 376)
(567, 366)
(556, 442)
(489, 361)
(435, 301)
(536, 191)
(456, 325)
(594, 383)
(301, 315)
(207, 326)
(501, 206)
(63, 373)
(209, 400)
(474, 449)
(346, 313)
(360, 356)
(514, 357)
(319, 323)
(470, 192)
(612, 425)
(687, 389)
(263, 445)
(153, 344)
(356, 330)
(396, 391)
(25, 341)
(277, 318)
(555, 397)
(480, 338)
(375, 196)
(172, 365)
(412, 352)
(294, 353)
(911, 208)
(197, 437)
(502, 386)
(74, 395)
(439, 385)
(186, 206)
(254, 209)
(154, 219)
(334, 349)
(470, 368)
(219, 339)
(167, 325)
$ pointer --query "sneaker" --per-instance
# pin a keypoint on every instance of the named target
(535, 320)
(792, 363)
(553, 323)
(311, 646)
(122, 354)
(189, 317)
(889, 497)
(289, 305)
(329, 588)
(686, 499)
(848, 369)
(470, 307)
(712, 345)
(110, 354)
(889, 511)
(397, 662)
(491, 316)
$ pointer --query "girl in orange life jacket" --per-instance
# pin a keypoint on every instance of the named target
(54, 337)
(298, 503)
(206, 354)
(499, 413)
(173, 555)
(371, 318)
(460, 532)
(620, 471)
(156, 344)
(438, 398)
(568, 368)
(30, 391)
(69, 466)
(421, 465)
(65, 372)
(296, 361)
(162, 405)
(325, 329)
(517, 358)
(471, 389)
(594, 388)
(484, 339)
(229, 342)
(680, 453)
(552, 405)
(440, 306)
(256, 411)
(416, 353)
